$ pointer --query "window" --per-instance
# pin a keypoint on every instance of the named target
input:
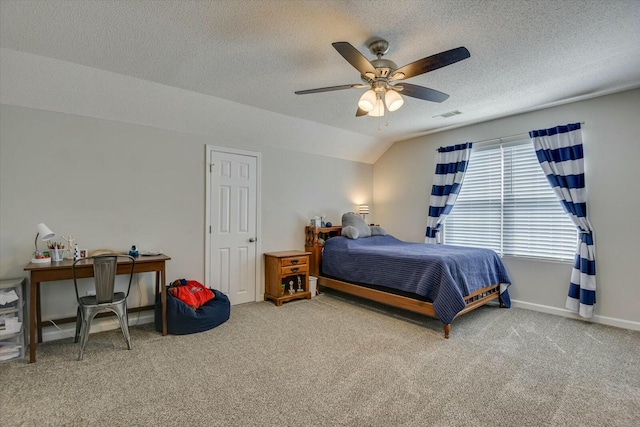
(506, 204)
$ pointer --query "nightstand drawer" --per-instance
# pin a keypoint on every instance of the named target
(294, 269)
(293, 261)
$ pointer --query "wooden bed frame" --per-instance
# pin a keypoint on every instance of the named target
(314, 244)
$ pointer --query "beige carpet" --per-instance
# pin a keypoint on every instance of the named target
(337, 361)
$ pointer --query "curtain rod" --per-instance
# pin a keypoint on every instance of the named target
(504, 137)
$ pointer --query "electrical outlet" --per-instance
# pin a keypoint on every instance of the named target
(91, 293)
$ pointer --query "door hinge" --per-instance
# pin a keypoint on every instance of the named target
(211, 168)
(209, 229)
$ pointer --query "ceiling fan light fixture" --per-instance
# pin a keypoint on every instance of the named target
(377, 76)
(367, 100)
(393, 100)
(378, 108)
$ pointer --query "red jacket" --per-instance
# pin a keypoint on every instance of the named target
(193, 293)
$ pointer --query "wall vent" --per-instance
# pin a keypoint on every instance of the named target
(449, 114)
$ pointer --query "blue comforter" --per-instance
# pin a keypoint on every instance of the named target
(443, 274)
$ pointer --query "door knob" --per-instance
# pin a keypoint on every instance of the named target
(253, 239)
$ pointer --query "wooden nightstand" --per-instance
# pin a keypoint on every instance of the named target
(286, 276)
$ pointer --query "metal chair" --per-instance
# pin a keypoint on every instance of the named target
(105, 299)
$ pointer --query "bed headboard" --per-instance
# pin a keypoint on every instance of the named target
(314, 241)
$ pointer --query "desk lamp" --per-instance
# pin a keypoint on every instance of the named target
(45, 234)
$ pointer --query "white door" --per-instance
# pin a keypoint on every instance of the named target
(232, 213)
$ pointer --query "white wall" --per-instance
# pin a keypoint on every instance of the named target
(66, 129)
(35, 81)
(112, 184)
(403, 177)
(81, 146)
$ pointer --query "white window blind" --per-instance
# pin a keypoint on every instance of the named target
(506, 204)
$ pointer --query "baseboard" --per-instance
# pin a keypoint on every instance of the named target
(610, 321)
(68, 330)
(51, 333)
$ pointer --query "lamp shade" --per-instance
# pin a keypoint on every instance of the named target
(393, 100)
(45, 232)
(367, 100)
(378, 109)
(363, 209)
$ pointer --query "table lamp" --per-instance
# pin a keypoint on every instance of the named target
(363, 210)
(45, 234)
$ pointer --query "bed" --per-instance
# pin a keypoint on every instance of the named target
(439, 281)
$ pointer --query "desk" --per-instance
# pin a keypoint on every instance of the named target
(40, 273)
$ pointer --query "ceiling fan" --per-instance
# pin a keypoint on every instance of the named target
(381, 76)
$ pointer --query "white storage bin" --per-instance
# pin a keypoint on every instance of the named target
(313, 285)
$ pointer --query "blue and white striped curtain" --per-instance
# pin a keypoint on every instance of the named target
(450, 170)
(560, 154)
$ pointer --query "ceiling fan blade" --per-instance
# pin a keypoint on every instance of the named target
(330, 88)
(354, 57)
(421, 92)
(431, 63)
(361, 112)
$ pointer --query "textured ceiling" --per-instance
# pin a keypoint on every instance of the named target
(524, 54)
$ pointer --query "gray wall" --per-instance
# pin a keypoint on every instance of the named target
(112, 184)
(403, 177)
(66, 129)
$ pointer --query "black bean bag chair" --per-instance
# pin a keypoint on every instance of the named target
(182, 319)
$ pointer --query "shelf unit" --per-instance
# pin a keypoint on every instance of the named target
(286, 276)
(314, 242)
(12, 344)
